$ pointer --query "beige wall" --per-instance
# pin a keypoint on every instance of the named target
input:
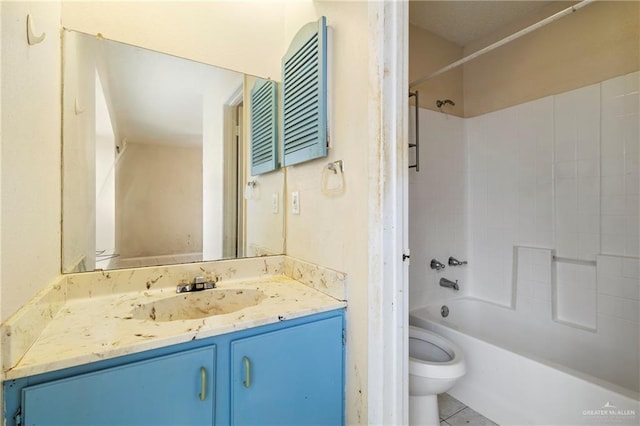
(596, 43)
(158, 200)
(264, 229)
(79, 153)
(30, 153)
(333, 230)
(427, 54)
(213, 32)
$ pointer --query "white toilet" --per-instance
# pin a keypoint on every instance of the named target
(435, 364)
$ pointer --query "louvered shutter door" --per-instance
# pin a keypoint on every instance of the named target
(264, 127)
(304, 79)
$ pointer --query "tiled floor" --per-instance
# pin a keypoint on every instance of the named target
(455, 413)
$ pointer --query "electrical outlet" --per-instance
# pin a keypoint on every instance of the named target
(274, 203)
(295, 202)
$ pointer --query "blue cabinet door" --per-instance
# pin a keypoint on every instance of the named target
(292, 376)
(169, 390)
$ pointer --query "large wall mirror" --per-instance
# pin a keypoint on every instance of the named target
(155, 161)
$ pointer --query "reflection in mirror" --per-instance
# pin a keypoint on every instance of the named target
(155, 161)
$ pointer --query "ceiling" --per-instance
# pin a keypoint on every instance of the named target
(465, 21)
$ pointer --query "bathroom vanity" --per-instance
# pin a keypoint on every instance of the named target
(291, 372)
(263, 342)
(271, 351)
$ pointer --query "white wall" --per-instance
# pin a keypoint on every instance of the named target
(437, 207)
(30, 169)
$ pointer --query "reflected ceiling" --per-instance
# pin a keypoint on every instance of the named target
(156, 98)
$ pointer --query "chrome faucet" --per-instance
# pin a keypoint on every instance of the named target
(455, 262)
(198, 284)
(436, 265)
(449, 284)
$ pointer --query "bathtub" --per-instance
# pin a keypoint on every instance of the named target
(525, 368)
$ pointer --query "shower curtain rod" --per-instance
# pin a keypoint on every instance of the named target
(504, 41)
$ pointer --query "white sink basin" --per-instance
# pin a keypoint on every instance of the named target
(195, 305)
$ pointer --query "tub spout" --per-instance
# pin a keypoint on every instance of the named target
(450, 284)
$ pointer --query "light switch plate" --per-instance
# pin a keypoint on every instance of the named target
(295, 202)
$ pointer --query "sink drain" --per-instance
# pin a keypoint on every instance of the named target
(444, 311)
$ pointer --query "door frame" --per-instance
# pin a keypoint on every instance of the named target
(233, 176)
(388, 355)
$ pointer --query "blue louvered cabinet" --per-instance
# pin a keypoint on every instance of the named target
(304, 94)
(263, 99)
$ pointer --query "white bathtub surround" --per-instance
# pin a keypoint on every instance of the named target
(553, 241)
(620, 152)
(549, 286)
(575, 294)
(87, 317)
(576, 124)
(533, 277)
(437, 203)
(619, 288)
(557, 173)
(524, 372)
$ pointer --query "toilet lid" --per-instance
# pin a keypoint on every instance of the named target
(426, 351)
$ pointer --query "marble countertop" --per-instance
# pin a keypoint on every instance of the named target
(85, 330)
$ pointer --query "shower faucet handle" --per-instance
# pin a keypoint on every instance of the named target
(436, 265)
(455, 262)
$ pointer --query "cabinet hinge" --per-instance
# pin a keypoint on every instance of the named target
(344, 337)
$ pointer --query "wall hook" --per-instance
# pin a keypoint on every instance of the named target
(31, 37)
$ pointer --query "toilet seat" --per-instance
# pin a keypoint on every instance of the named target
(434, 356)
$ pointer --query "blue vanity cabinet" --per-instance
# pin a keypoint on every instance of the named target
(288, 372)
(168, 390)
(292, 376)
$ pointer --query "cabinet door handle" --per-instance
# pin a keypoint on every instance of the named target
(203, 384)
(247, 371)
